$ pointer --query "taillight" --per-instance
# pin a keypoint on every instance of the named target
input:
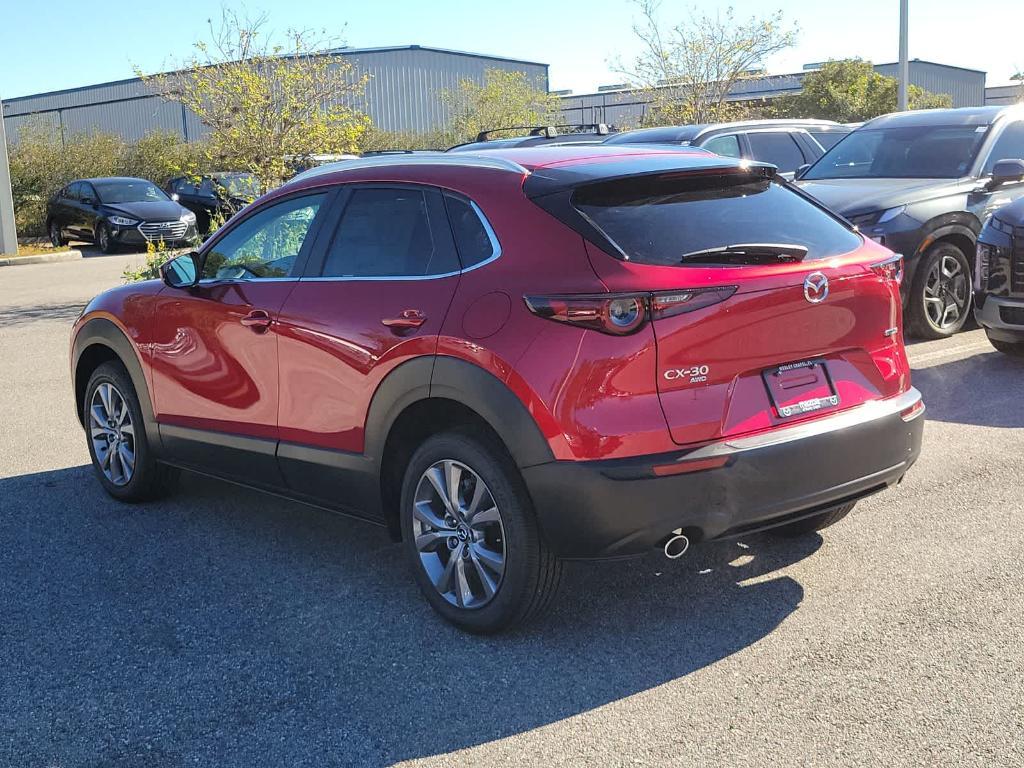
(623, 313)
(890, 269)
(609, 313)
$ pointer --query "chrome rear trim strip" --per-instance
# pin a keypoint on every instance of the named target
(861, 414)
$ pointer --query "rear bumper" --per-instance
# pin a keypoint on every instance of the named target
(998, 317)
(625, 507)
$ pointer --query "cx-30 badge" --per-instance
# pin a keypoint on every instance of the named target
(816, 287)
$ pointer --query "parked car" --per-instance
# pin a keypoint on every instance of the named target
(923, 183)
(514, 357)
(117, 211)
(999, 283)
(537, 136)
(786, 144)
(216, 195)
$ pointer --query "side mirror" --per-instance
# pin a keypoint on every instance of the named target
(181, 271)
(88, 201)
(801, 171)
(175, 196)
(1005, 172)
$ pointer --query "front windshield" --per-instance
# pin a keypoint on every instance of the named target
(913, 152)
(239, 185)
(136, 191)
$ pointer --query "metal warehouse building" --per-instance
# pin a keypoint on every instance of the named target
(622, 106)
(403, 94)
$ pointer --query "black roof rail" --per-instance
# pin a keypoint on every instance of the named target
(548, 131)
(377, 152)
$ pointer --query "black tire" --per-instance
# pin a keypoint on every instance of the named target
(952, 291)
(148, 479)
(814, 523)
(531, 572)
(103, 238)
(56, 238)
(1011, 348)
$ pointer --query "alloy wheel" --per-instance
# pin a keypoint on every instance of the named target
(104, 238)
(947, 292)
(458, 533)
(112, 433)
(55, 234)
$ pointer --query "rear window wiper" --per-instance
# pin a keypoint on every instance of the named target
(747, 252)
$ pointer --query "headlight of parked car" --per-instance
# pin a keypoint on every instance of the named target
(123, 221)
(188, 217)
(891, 214)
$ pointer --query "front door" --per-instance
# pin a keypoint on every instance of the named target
(215, 347)
(376, 299)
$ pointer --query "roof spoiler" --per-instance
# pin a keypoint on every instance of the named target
(548, 131)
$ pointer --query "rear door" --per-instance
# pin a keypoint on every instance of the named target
(375, 299)
(750, 341)
(780, 148)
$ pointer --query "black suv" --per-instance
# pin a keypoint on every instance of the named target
(537, 136)
(923, 183)
(999, 280)
(117, 211)
(215, 195)
(786, 144)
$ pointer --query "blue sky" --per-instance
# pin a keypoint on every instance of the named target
(67, 43)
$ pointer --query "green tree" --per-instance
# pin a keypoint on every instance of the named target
(688, 69)
(504, 100)
(268, 106)
(850, 90)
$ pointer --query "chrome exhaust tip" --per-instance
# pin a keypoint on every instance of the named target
(676, 546)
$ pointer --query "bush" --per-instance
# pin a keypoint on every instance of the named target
(41, 163)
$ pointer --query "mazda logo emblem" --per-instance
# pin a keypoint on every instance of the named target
(816, 287)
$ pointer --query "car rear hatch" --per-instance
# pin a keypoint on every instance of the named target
(767, 309)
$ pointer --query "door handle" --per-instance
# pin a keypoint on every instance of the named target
(258, 320)
(407, 321)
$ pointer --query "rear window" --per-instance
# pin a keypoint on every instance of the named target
(657, 220)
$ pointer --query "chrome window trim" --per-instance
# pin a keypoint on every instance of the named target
(239, 280)
(495, 248)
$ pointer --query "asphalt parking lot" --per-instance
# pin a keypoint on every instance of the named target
(222, 627)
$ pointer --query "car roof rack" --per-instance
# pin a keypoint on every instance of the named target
(548, 131)
(379, 152)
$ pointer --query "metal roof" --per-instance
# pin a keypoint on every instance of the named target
(966, 116)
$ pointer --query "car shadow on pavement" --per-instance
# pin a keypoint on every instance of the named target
(222, 626)
(982, 389)
(66, 312)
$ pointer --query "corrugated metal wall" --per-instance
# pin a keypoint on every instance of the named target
(965, 86)
(403, 94)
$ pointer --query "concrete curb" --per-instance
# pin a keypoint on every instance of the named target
(40, 258)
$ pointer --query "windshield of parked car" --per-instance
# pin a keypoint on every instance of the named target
(128, 191)
(239, 185)
(908, 152)
(667, 220)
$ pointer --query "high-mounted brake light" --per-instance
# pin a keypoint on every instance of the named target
(890, 269)
(623, 313)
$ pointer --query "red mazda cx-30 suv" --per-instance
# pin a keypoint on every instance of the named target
(513, 358)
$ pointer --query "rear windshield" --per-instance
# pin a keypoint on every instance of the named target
(657, 220)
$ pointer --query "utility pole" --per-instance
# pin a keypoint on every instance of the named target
(8, 235)
(904, 71)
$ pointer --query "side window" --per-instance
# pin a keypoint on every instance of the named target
(74, 191)
(388, 232)
(474, 238)
(1009, 146)
(777, 148)
(184, 187)
(87, 192)
(726, 146)
(827, 139)
(266, 244)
